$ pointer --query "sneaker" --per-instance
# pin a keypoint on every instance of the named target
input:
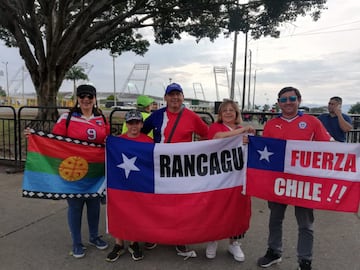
(269, 259)
(211, 249)
(115, 253)
(305, 265)
(135, 251)
(235, 249)
(149, 246)
(97, 242)
(78, 251)
(181, 249)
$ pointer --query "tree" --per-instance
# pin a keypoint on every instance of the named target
(355, 109)
(2, 92)
(54, 35)
(74, 74)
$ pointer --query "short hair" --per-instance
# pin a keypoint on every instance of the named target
(289, 89)
(234, 106)
(337, 99)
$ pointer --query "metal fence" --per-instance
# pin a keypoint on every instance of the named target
(13, 121)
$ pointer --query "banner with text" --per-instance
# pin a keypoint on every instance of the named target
(178, 193)
(319, 175)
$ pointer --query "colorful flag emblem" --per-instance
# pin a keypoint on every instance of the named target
(58, 167)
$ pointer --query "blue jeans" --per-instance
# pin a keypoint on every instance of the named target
(75, 211)
(305, 221)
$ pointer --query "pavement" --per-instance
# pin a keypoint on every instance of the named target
(34, 236)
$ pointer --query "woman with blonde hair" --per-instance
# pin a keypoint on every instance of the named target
(228, 124)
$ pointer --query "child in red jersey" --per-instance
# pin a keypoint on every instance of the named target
(134, 123)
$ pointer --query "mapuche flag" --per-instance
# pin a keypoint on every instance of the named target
(179, 193)
(58, 168)
(319, 175)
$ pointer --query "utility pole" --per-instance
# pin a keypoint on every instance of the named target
(233, 67)
(250, 59)
(254, 91)
(244, 77)
(114, 77)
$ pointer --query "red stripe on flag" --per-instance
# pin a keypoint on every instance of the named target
(305, 191)
(62, 149)
(177, 219)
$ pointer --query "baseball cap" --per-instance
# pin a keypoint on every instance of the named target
(173, 87)
(133, 115)
(144, 101)
(86, 89)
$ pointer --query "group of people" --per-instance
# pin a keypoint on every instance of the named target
(176, 123)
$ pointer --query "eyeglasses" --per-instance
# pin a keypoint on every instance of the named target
(285, 99)
(89, 96)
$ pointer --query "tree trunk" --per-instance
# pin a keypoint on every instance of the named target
(47, 97)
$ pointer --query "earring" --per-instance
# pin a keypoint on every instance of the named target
(78, 105)
(95, 106)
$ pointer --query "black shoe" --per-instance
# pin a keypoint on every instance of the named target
(305, 265)
(181, 249)
(135, 251)
(115, 253)
(149, 246)
(269, 259)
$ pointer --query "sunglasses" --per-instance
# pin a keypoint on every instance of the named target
(285, 99)
(89, 96)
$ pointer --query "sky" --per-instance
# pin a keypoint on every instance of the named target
(321, 59)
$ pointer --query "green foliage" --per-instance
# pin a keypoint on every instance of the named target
(2, 92)
(52, 36)
(321, 109)
(355, 109)
(76, 73)
(111, 97)
(266, 107)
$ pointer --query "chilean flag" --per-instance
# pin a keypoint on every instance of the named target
(180, 193)
(319, 175)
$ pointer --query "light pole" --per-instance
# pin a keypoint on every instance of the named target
(254, 90)
(233, 67)
(250, 59)
(244, 77)
(114, 56)
(7, 81)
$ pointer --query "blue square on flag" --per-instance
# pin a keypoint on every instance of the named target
(266, 153)
(129, 165)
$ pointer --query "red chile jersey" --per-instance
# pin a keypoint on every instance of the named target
(302, 127)
(141, 138)
(91, 130)
(218, 127)
(162, 121)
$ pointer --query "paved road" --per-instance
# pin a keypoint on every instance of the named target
(34, 236)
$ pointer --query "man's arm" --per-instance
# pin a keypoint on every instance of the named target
(344, 125)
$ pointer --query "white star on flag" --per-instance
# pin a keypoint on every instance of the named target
(265, 154)
(128, 165)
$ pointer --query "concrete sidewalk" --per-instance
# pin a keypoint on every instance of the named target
(34, 235)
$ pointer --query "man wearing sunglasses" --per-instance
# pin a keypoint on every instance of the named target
(292, 124)
(336, 122)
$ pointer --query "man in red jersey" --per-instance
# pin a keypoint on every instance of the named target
(292, 124)
(175, 123)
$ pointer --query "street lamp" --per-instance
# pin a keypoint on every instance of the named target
(114, 56)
